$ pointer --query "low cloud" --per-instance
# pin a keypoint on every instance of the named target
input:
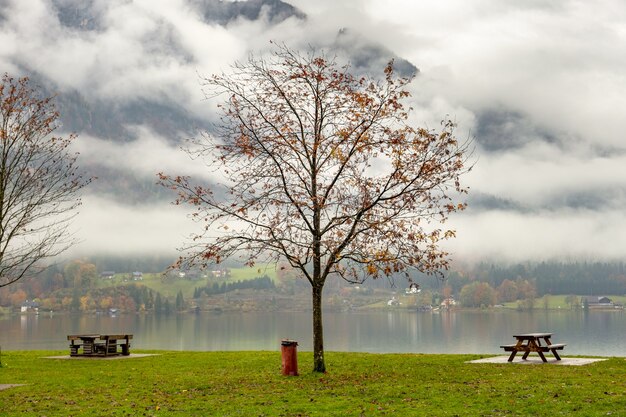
(538, 173)
(555, 64)
(142, 49)
(106, 227)
(506, 236)
(144, 156)
(540, 85)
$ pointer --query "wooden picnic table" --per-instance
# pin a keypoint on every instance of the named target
(99, 344)
(533, 342)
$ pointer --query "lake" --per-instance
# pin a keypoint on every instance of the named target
(601, 333)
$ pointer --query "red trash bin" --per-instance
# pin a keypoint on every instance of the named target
(289, 353)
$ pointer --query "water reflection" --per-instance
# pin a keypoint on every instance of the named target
(595, 333)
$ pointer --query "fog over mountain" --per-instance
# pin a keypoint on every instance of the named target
(539, 86)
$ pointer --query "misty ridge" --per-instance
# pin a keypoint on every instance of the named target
(125, 122)
(126, 80)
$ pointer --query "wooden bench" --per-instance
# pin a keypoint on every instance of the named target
(538, 343)
(84, 342)
(99, 344)
(554, 347)
(558, 346)
(512, 347)
(508, 348)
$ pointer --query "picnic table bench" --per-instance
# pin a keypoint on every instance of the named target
(99, 344)
(532, 342)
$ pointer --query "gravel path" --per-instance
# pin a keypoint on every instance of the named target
(7, 386)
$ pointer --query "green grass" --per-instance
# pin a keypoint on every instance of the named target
(242, 274)
(552, 302)
(556, 302)
(357, 384)
(170, 286)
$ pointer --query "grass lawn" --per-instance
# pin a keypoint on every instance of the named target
(250, 384)
(245, 273)
(170, 286)
(556, 302)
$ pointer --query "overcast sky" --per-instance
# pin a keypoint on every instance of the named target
(539, 85)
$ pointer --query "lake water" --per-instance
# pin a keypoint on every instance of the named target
(594, 333)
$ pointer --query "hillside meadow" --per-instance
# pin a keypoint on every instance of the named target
(357, 384)
(169, 287)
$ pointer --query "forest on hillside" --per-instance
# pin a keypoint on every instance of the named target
(79, 285)
(550, 277)
(580, 278)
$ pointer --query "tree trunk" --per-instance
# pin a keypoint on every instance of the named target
(318, 331)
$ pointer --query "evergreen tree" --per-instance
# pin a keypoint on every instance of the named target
(180, 301)
(75, 304)
(167, 307)
(158, 304)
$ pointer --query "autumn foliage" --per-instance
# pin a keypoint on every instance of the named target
(39, 181)
(321, 169)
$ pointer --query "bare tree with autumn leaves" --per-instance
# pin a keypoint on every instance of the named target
(321, 169)
(39, 182)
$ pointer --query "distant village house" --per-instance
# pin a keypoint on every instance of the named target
(29, 307)
(413, 289)
(219, 273)
(597, 302)
(394, 302)
(448, 302)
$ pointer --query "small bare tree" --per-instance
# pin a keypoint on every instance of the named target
(39, 182)
(322, 170)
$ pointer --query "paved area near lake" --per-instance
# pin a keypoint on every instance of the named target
(100, 358)
(7, 386)
(536, 360)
